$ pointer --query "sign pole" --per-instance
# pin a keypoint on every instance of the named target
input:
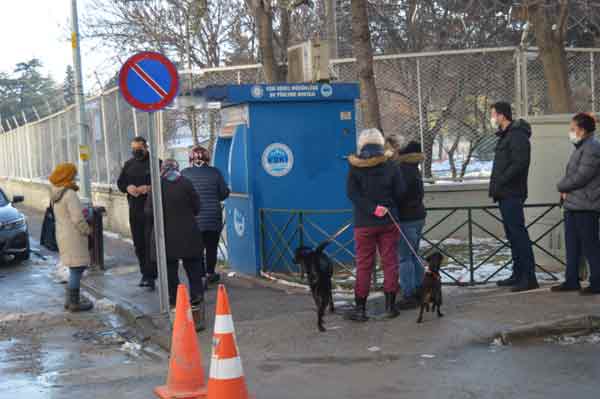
(159, 222)
(84, 149)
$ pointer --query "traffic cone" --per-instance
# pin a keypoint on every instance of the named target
(226, 378)
(186, 374)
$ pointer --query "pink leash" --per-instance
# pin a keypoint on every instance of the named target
(412, 249)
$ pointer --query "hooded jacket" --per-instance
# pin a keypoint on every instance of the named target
(411, 208)
(511, 162)
(374, 180)
(582, 180)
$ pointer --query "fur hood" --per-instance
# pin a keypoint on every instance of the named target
(413, 158)
(358, 162)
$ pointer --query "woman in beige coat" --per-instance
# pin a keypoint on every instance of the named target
(72, 231)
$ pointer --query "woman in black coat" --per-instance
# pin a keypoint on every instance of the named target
(180, 206)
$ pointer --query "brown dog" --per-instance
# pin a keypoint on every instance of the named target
(431, 291)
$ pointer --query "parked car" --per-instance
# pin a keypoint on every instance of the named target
(14, 232)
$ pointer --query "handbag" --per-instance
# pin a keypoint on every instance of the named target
(48, 235)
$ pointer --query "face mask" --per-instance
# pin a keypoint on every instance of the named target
(573, 137)
(139, 154)
(494, 123)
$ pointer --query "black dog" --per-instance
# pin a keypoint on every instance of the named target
(318, 268)
(431, 291)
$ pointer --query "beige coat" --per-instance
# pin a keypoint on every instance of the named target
(72, 230)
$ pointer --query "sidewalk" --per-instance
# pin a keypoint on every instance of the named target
(285, 356)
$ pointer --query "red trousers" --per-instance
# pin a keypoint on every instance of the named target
(367, 241)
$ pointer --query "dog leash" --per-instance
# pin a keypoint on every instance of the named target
(412, 249)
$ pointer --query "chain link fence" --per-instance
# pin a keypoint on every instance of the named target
(439, 99)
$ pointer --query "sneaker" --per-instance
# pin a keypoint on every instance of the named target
(589, 291)
(564, 288)
(213, 278)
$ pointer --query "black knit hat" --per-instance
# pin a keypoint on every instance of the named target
(413, 147)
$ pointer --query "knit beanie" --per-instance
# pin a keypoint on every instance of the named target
(64, 175)
(370, 136)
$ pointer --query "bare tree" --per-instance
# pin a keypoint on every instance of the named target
(363, 52)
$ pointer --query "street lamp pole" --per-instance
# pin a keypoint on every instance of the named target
(84, 148)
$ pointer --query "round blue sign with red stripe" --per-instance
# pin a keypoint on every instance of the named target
(149, 81)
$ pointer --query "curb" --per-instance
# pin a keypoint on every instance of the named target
(143, 324)
(569, 325)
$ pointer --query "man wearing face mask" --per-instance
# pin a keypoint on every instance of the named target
(580, 194)
(135, 182)
(212, 190)
(508, 187)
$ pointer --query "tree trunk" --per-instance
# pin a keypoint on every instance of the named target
(264, 22)
(550, 39)
(363, 52)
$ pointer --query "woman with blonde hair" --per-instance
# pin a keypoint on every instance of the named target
(72, 231)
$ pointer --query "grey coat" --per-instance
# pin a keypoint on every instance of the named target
(582, 181)
(212, 190)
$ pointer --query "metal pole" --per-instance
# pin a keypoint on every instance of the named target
(518, 83)
(105, 137)
(471, 258)
(84, 151)
(593, 85)
(524, 79)
(159, 228)
(332, 33)
(420, 99)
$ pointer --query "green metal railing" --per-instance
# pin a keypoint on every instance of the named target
(283, 230)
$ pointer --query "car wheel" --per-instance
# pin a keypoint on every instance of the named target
(22, 257)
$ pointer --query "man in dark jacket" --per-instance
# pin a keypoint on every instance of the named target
(374, 186)
(135, 182)
(508, 187)
(212, 190)
(580, 193)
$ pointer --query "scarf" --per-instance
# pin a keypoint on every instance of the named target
(169, 170)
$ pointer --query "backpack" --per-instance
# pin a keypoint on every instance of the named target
(48, 236)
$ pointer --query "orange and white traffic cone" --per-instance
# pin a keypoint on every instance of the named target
(186, 374)
(226, 379)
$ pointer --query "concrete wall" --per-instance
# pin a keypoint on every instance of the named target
(37, 196)
(550, 153)
(440, 195)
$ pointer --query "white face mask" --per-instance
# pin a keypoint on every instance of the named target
(494, 123)
(573, 137)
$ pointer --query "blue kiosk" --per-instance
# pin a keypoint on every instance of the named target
(283, 147)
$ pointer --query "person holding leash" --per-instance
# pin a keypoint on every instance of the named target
(374, 187)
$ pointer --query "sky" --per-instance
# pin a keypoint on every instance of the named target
(40, 28)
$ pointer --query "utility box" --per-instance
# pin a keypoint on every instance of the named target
(282, 148)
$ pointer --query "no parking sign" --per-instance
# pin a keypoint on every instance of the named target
(149, 81)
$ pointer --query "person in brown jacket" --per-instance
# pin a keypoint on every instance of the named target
(72, 231)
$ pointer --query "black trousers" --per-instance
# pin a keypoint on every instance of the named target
(582, 240)
(141, 231)
(513, 217)
(210, 248)
(193, 269)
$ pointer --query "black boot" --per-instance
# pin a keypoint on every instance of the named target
(151, 285)
(67, 298)
(79, 304)
(199, 313)
(528, 283)
(390, 306)
(359, 313)
(509, 282)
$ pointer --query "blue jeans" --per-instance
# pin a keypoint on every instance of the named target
(411, 271)
(75, 274)
(513, 217)
(581, 237)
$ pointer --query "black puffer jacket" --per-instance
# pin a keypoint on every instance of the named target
(180, 206)
(411, 208)
(212, 190)
(511, 162)
(374, 180)
(582, 181)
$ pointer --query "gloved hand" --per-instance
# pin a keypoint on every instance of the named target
(381, 211)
